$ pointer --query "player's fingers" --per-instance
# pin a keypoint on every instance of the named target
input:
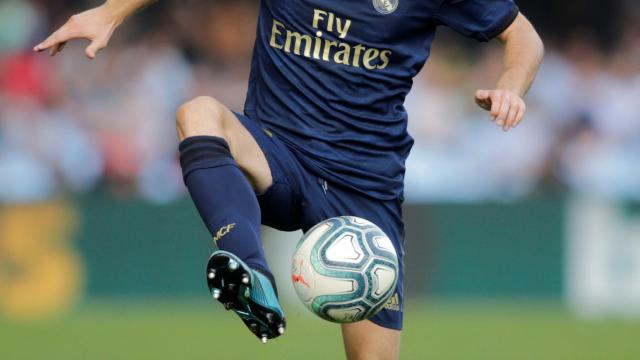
(483, 99)
(65, 33)
(52, 40)
(92, 50)
(521, 111)
(496, 104)
(511, 115)
(57, 48)
(505, 105)
(482, 94)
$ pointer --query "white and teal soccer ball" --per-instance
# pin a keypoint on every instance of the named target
(345, 269)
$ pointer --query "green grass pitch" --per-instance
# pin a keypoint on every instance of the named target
(436, 330)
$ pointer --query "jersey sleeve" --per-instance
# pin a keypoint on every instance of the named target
(479, 19)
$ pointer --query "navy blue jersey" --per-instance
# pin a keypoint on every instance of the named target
(329, 77)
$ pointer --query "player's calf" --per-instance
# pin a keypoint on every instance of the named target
(216, 154)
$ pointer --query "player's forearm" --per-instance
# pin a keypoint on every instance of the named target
(523, 54)
(120, 10)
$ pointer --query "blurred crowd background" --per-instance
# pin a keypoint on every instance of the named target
(543, 219)
(71, 125)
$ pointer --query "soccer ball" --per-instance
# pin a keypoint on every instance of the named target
(345, 269)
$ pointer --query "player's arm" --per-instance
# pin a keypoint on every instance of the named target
(522, 57)
(96, 25)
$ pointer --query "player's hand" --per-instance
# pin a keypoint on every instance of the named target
(507, 108)
(95, 25)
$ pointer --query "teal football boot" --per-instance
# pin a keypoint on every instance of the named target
(248, 293)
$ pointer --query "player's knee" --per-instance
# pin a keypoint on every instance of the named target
(203, 115)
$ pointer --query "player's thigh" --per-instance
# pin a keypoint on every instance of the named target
(205, 116)
(365, 340)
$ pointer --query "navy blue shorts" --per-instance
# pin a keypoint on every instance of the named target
(298, 199)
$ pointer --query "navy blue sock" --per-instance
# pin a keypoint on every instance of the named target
(224, 198)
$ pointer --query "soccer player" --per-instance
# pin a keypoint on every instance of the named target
(323, 133)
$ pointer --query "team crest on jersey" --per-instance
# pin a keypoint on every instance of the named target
(385, 6)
